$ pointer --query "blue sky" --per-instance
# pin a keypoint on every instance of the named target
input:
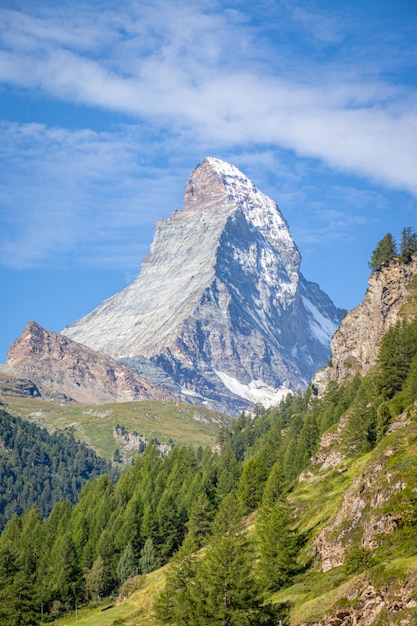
(106, 108)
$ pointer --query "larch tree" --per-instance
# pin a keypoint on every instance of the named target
(386, 249)
(408, 245)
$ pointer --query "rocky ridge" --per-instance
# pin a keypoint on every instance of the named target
(61, 369)
(373, 495)
(220, 305)
(355, 344)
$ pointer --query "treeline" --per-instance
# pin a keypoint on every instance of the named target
(167, 509)
(42, 468)
(387, 248)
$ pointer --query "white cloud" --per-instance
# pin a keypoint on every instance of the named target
(192, 79)
(83, 190)
(184, 71)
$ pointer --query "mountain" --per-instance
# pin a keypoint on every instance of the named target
(355, 344)
(220, 310)
(64, 370)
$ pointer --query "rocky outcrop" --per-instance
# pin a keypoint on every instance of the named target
(361, 515)
(355, 344)
(59, 368)
(220, 304)
(20, 387)
(367, 604)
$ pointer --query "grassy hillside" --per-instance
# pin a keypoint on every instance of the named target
(135, 609)
(95, 424)
(327, 499)
(362, 514)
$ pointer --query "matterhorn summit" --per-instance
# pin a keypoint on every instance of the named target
(220, 313)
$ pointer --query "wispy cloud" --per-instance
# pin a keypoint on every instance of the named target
(64, 190)
(181, 67)
(210, 78)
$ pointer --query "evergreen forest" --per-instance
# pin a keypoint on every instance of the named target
(42, 468)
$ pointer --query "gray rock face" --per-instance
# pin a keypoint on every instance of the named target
(220, 304)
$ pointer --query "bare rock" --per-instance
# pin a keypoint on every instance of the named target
(63, 369)
(355, 344)
(220, 304)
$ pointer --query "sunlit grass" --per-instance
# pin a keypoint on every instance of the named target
(94, 424)
(136, 610)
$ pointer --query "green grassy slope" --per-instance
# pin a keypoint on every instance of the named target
(319, 499)
(94, 424)
(366, 507)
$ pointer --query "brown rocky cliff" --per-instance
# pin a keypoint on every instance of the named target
(62, 368)
(355, 344)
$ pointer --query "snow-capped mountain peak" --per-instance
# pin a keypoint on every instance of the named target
(220, 304)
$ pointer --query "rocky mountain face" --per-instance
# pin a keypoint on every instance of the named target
(61, 369)
(220, 311)
(355, 344)
(373, 494)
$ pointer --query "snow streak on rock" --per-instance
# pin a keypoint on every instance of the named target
(220, 304)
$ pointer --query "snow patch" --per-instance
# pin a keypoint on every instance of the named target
(256, 391)
(321, 327)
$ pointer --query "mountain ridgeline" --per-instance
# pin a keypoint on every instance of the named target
(220, 311)
(307, 512)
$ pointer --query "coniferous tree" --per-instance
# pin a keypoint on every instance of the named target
(219, 588)
(97, 581)
(360, 430)
(229, 593)
(385, 250)
(408, 245)
(65, 574)
(252, 482)
(228, 472)
(178, 603)
(278, 546)
(148, 560)
(383, 420)
(274, 486)
(307, 442)
(410, 385)
(127, 565)
(397, 350)
(199, 523)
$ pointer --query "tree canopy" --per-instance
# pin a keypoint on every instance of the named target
(385, 250)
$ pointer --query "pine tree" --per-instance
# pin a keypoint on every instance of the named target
(385, 250)
(177, 603)
(228, 591)
(148, 561)
(307, 442)
(278, 547)
(252, 482)
(408, 245)
(397, 350)
(65, 575)
(96, 579)
(127, 565)
(274, 486)
(199, 523)
(218, 589)
(410, 386)
(228, 472)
